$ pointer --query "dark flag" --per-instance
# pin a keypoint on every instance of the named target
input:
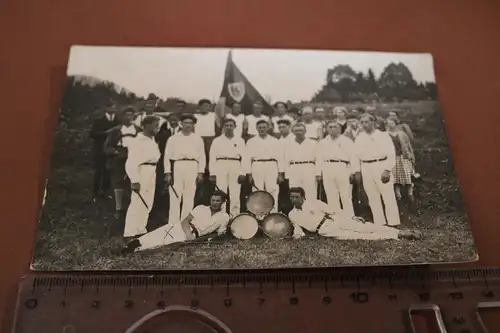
(237, 88)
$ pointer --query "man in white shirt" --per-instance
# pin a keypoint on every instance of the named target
(148, 110)
(314, 129)
(239, 119)
(225, 164)
(201, 221)
(253, 118)
(207, 125)
(187, 152)
(143, 155)
(375, 158)
(300, 160)
(284, 128)
(205, 119)
(280, 114)
(335, 155)
(263, 161)
(318, 217)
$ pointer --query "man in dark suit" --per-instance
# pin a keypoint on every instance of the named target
(167, 129)
(98, 133)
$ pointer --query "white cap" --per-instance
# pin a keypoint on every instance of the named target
(320, 109)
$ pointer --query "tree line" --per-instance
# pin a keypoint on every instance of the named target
(395, 84)
(84, 95)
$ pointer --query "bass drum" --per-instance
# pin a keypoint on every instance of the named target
(260, 203)
(244, 226)
(276, 225)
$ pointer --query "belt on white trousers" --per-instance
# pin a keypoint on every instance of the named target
(337, 161)
(149, 163)
(265, 160)
(228, 159)
(301, 162)
(375, 160)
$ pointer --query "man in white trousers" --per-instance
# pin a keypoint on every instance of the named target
(252, 119)
(284, 128)
(335, 156)
(375, 157)
(239, 118)
(148, 110)
(201, 221)
(300, 161)
(187, 153)
(143, 155)
(318, 217)
(281, 109)
(225, 164)
(263, 161)
(314, 128)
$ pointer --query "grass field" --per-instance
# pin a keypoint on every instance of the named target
(76, 234)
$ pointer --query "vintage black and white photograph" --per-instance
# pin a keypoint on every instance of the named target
(219, 158)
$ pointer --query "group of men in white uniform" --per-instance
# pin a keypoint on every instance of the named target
(303, 157)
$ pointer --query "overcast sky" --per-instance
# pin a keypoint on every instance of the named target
(194, 73)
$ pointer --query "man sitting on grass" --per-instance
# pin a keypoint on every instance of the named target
(203, 220)
(316, 216)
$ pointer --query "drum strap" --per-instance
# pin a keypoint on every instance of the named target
(195, 231)
(325, 218)
(149, 163)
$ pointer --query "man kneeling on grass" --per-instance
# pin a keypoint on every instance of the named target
(202, 220)
(316, 216)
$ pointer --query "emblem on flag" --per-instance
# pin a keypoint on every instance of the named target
(236, 91)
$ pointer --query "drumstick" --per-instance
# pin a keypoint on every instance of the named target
(173, 190)
(142, 199)
(253, 185)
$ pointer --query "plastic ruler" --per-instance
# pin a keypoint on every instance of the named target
(337, 300)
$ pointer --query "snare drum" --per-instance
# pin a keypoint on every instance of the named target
(244, 226)
(260, 203)
(276, 225)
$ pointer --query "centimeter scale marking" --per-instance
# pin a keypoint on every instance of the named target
(346, 300)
